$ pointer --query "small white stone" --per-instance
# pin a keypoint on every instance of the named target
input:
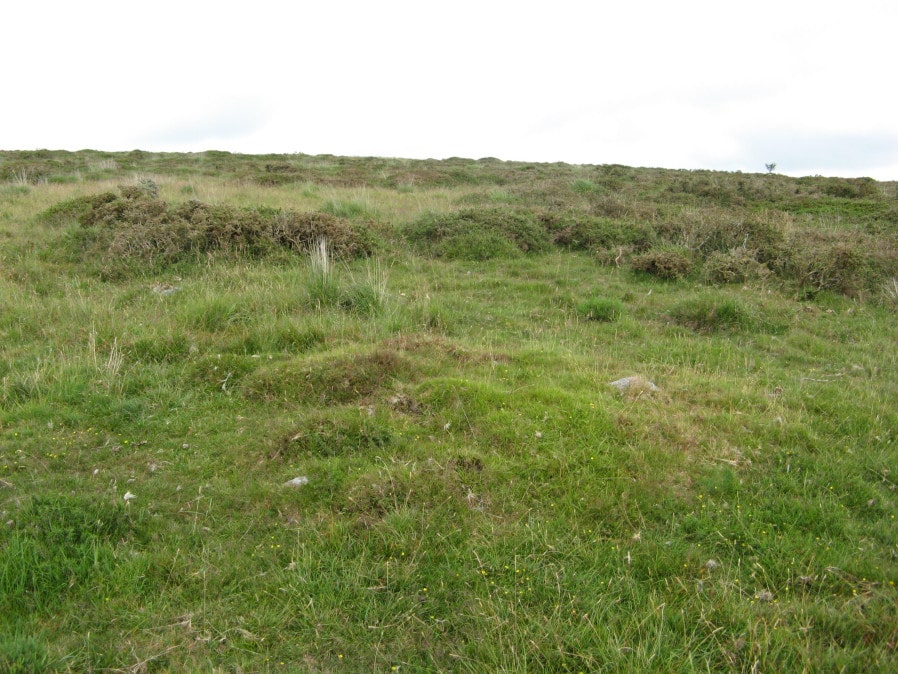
(297, 481)
(128, 496)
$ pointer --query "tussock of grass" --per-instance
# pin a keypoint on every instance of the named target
(601, 309)
(711, 314)
(22, 655)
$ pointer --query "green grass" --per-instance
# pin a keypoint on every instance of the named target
(478, 497)
(600, 309)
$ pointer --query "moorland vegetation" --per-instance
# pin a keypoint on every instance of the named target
(318, 413)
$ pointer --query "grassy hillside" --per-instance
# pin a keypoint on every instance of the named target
(296, 413)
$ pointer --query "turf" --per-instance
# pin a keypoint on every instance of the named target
(429, 346)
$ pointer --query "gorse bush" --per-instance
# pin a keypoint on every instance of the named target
(137, 226)
(889, 292)
(669, 264)
(336, 379)
(108, 233)
(738, 265)
(762, 235)
(582, 186)
(70, 211)
(478, 234)
(582, 232)
(710, 229)
(850, 188)
(477, 245)
(831, 261)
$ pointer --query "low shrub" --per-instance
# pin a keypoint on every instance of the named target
(478, 234)
(711, 229)
(669, 264)
(738, 265)
(477, 245)
(837, 261)
(117, 230)
(70, 211)
(889, 293)
(850, 188)
(220, 372)
(581, 232)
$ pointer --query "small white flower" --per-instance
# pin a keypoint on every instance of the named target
(128, 496)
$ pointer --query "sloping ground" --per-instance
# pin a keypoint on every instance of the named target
(244, 456)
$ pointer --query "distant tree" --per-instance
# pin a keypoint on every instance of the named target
(771, 167)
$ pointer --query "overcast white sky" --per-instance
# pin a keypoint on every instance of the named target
(689, 84)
